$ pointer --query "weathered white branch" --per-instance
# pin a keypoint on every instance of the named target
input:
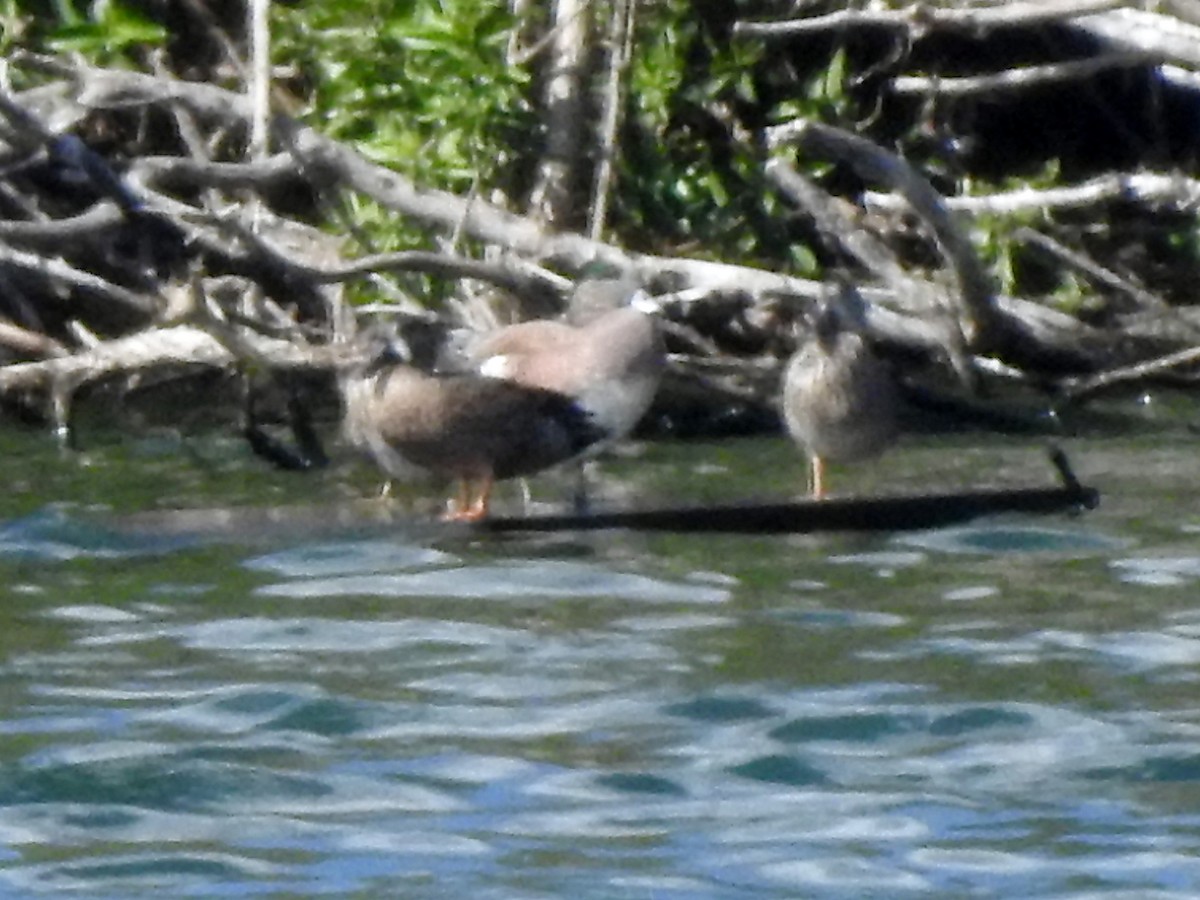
(1177, 191)
(620, 49)
(836, 222)
(1165, 37)
(1015, 79)
(259, 84)
(178, 345)
(321, 163)
(562, 110)
(1089, 268)
(61, 271)
(919, 17)
(1077, 389)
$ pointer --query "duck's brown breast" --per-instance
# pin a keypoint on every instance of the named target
(840, 403)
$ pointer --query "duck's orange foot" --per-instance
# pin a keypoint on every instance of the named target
(471, 514)
(817, 478)
(469, 506)
(468, 515)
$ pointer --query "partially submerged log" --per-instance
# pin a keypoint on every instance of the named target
(897, 513)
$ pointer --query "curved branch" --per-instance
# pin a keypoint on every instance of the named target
(178, 345)
(980, 323)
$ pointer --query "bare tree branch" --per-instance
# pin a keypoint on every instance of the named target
(920, 17)
(259, 83)
(620, 49)
(551, 199)
(1077, 389)
(980, 324)
(1177, 191)
(1090, 269)
(834, 220)
(1163, 36)
(56, 269)
(1017, 79)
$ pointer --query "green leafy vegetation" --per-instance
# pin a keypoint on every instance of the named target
(433, 89)
(422, 85)
(108, 33)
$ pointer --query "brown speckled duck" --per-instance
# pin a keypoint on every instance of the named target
(839, 399)
(467, 427)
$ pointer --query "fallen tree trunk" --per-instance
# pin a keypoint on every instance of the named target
(905, 513)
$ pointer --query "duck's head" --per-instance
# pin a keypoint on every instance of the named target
(837, 313)
(380, 346)
(409, 341)
(604, 286)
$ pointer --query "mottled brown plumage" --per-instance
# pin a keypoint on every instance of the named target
(839, 398)
(463, 426)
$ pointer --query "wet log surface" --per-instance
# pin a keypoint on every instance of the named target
(897, 513)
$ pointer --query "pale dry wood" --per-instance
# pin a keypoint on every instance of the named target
(835, 221)
(258, 85)
(1174, 190)
(1016, 79)
(620, 51)
(329, 163)
(29, 343)
(1184, 10)
(551, 200)
(921, 17)
(1163, 36)
(1077, 389)
(64, 273)
(325, 165)
(176, 345)
(1089, 268)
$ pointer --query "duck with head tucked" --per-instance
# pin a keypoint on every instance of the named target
(839, 399)
(471, 428)
(606, 352)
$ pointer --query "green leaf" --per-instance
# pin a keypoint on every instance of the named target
(117, 29)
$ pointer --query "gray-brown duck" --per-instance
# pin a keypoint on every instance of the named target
(464, 426)
(839, 399)
(606, 353)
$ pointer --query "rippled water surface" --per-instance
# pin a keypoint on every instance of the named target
(287, 692)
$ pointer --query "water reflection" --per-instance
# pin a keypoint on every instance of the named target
(997, 538)
(522, 579)
(56, 533)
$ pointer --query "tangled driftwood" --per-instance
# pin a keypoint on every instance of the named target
(183, 254)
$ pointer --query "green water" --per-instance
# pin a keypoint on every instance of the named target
(223, 680)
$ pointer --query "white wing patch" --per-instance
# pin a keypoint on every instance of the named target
(499, 366)
(644, 303)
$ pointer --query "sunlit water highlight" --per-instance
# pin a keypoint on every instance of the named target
(1005, 708)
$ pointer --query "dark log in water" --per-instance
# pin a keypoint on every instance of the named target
(902, 513)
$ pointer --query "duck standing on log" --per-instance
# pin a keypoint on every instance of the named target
(839, 399)
(606, 353)
(467, 427)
